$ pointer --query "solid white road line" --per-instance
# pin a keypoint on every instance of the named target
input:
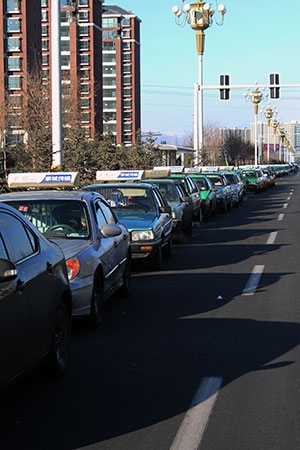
(272, 237)
(253, 281)
(194, 423)
(281, 216)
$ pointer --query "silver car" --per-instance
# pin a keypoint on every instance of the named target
(96, 246)
(35, 299)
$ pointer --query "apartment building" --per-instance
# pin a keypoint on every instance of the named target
(81, 57)
(121, 73)
(100, 61)
(20, 52)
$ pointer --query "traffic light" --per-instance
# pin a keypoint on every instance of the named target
(274, 80)
(224, 92)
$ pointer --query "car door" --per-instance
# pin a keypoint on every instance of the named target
(14, 315)
(111, 248)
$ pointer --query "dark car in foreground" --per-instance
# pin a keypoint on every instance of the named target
(96, 246)
(35, 300)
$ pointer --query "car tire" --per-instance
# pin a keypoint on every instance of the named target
(126, 286)
(96, 312)
(58, 358)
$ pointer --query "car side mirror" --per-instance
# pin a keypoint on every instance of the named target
(111, 230)
(8, 270)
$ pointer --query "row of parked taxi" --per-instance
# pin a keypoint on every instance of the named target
(66, 249)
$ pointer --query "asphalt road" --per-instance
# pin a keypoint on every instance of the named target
(205, 354)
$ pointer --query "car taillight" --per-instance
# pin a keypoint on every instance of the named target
(73, 267)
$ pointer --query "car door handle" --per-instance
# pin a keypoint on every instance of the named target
(49, 267)
(116, 244)
(125, 236)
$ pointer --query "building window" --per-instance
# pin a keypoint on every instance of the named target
(109, 34)
(108, 46)
(65, 31)
(127, 46)
(83, 30)
(127, 127)
(126, 34)
(13, 44)
(126, 57)
(109, 70)
(127, 68)
(127, 92)
(85, 59)
(13, 5)
(14, 63)
(85, 74)
(85, 102)
(110, 22)
(127, 115)
(127, 104)
(109, 93)
(44, 16)
(109, 104)
(13, 25)
(45, 74)
(109, 116)
(45, 44)
(109, 57)
(14, 82)
(127, 80)
(45, 60)
(108, 81)
(126, 22)
(85, 117)
(109, 128)
(65, 60)
(44, 3)
(83, 16)
(83, 3)
(127, 139)
(65, 45)
(44, 30)
(84, 44)
(84, 88)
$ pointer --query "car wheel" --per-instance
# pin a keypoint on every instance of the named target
(96, 302)
(58, 358)
(126, 286)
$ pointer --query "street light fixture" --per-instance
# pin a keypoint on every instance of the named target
(275, 125)
(199, 16)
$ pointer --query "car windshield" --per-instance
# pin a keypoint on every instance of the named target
(232, 178)
(128, 198)
(56, 218)
(216, 180)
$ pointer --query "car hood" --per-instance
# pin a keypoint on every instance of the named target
(71, 247)
(137, 220)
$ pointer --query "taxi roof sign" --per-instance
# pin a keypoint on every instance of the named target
(119, 175)
(196, 169)
(173, 169)
(43, 180)
(157, 173)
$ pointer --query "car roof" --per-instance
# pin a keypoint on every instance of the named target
(136, 184)
(48, 195)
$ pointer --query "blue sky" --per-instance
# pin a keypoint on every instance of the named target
(258, 37)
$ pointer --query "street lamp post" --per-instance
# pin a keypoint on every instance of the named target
(275, 125)
(199, 16)
(256, 97)
(268, 115)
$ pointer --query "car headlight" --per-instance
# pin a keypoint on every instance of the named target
(73, 267)
(142, 235)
